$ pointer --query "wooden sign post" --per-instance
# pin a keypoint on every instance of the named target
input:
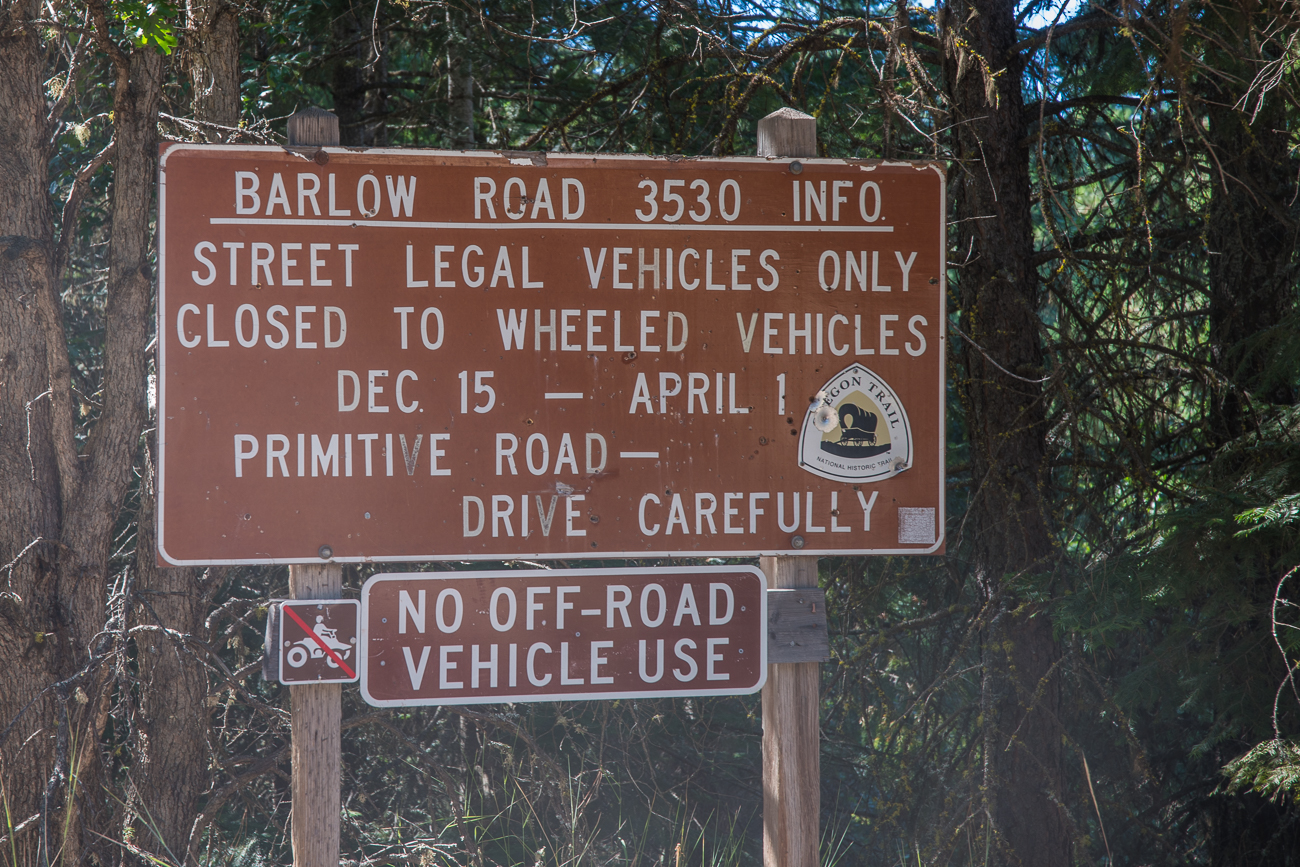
(317, 740)
(317, 709)
(791, 735)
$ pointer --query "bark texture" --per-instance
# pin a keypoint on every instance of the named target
(1251, 235)
(62, 499)
(172, 733)
(355, 103)
(460, 84)
(212, 54)
(1008, 531)
(35, 643)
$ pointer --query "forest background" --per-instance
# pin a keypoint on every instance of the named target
(1100, 670)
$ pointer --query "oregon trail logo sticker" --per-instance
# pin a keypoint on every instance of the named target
(856, 429)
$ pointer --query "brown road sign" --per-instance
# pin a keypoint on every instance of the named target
(476, 637)
(413, 355)
(318, 641)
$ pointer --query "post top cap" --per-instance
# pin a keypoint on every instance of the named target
(788, 113)
(313, 127)
(787, 132)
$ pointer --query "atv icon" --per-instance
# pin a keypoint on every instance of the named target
(307, 648)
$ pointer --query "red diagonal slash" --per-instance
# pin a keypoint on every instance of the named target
(316, 638)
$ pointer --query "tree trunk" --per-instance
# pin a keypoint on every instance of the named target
(460, 84)
(92, 504)
(61, 502)
(348, 81)
(35, 644)
(172, 726)
(1251, 236)
(212, 52)
(1007, 531)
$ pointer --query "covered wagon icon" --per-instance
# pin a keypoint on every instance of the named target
(857, 425)
(307, 648)
(860, 435)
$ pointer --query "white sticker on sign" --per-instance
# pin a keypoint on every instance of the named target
(915, 526)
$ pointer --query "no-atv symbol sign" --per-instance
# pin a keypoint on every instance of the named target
(318, 641)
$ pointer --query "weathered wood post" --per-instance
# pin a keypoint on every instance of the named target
(313, 127)
(317, 709)
(791, 734)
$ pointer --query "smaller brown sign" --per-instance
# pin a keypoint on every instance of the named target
(563, 634)
(318, 641)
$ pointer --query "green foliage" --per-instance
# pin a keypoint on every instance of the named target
(1277, 514)
(149, 23)
(1271, 768)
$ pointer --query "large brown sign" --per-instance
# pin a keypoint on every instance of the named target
(414, 355)
(548, 635)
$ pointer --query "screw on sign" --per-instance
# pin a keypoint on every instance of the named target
(546, 635)
(318, 641)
